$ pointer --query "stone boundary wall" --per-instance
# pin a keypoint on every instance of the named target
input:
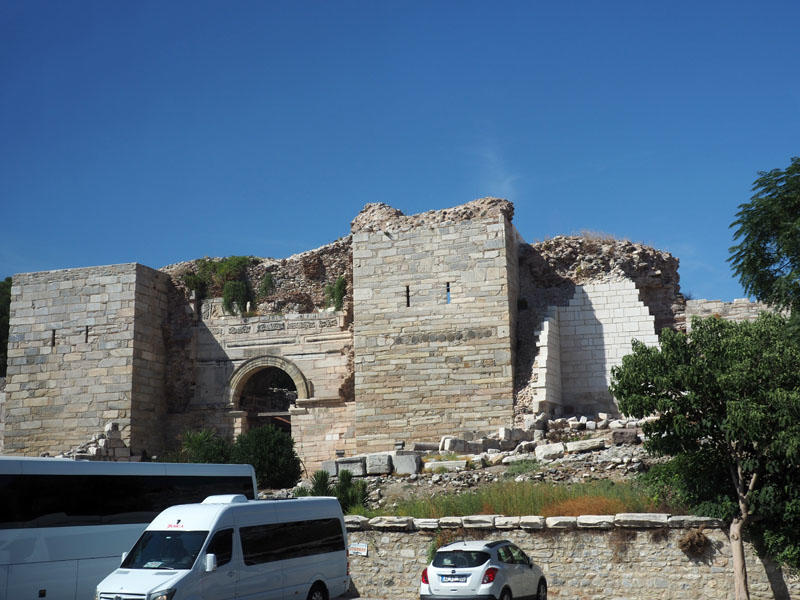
(741, 309)
(610, 557)
(2, 411)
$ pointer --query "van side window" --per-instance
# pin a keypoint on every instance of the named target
(221, 545)
(279, 541)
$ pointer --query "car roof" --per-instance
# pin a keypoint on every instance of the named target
(473, 545)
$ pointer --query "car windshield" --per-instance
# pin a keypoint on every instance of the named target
(165, 550)
(460, 559)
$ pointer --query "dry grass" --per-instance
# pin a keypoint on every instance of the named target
(586, 505)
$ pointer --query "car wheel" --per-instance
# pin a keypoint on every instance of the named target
(541, 590)
(318, 592)
(506, 594)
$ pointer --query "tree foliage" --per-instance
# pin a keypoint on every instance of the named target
(767, 257)
(226, 277)
(5, 312)
(335, 292)
(727, 398)
(271, 452)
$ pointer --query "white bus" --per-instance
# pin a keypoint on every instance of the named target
(229, 548)
(64, 524)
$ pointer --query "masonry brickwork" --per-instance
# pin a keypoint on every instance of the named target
(600, 560)
(451, 323)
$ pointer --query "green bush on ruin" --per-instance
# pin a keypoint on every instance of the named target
(335, 292)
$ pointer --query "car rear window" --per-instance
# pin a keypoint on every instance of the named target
(460, 559)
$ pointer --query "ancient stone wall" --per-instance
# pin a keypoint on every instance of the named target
(432, 325)
(2, 411)
(634, 563)
(739, 310)
(71, 355)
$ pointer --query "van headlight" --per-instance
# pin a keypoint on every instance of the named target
(161, 595)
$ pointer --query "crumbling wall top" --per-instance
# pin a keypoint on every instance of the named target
(382, 217)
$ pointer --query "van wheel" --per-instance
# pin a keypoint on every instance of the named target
(318, 592)
(541, 591)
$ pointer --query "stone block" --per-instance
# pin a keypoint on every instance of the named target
(407, 464)
(506, 522)
(587, 445)
(549, 451)
(426, 524)
(688, 521)
(356, 465)
(456, 445)
(447, 465)
(531, 522)
(561, 522)
(474, 447)
(641, 520)
(596, 521)
(478, 521)
(518, 457)
(379, 464)
(391, 523)
(450, 522)
(355, 522)
(330, 467)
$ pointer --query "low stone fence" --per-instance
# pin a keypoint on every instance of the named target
(606, 557)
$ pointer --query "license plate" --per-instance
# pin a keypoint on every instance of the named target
(454, 578)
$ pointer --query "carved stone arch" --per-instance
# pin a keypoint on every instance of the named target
(250, 367)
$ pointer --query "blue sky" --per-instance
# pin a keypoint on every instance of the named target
(164, 131)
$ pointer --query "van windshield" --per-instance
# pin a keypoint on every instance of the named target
(165, 550)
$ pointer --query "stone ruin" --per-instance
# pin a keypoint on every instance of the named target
(451, 323)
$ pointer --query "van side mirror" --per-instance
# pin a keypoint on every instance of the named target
(211, 563)
(124, 556)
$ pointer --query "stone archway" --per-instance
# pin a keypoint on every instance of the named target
(269, 370)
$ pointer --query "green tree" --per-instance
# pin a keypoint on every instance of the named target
(767, 257)
(271, 452)
(5, 313)
(335, 292)
(726, 394)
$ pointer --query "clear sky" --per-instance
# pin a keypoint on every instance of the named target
(164, 131)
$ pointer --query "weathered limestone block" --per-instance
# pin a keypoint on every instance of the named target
(450, 522)
(596, 521)
(586, 445)
(688, 521)
(641, 520)
(407, 464)
(426, 524)
(561, 522)
(506, 522)
(448, 465)
(391, 523)
(525, 447)
(518, 457)
(330, 467)
(379, 464)
(355, 522)
(550, 451)
(356, 465)
(531, 522)
(478, 521)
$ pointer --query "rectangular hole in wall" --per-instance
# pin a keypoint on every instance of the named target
(408, 296)
(86, 335)
(448, 292)
(53, 338)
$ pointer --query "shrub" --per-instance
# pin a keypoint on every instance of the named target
(694, 543)
(271, 452)
(350, 493)
(267, 286)
(335, 292)
(235, 294)
(520, 467)
(204, 446)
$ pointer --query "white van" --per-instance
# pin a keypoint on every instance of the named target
(228, 548)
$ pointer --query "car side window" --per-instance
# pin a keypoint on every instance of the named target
(222, 546)
(519, 556)
(504, 554)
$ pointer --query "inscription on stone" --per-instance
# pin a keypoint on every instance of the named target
(444, 336)
(328, 323)
(239, 329)
(302, 325)
(273, 326)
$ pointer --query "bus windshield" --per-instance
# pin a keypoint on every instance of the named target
(165, 550)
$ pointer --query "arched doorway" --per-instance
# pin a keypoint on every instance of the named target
(263, 389)
(266, 398)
